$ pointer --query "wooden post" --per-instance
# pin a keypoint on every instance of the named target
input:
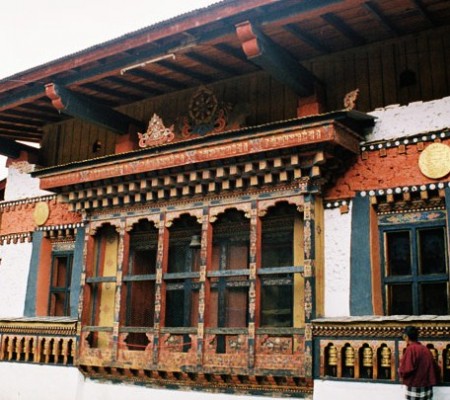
(122, 254)
(161, 266)
(204, 290)
(309, 279)
(254, 290)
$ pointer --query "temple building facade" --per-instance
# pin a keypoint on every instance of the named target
(248, 200)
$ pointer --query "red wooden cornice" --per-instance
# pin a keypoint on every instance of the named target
(329, 132)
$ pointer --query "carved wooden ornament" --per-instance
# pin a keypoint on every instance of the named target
(156, 133)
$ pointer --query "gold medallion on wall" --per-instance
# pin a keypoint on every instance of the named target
(41, 213)
(434, 161)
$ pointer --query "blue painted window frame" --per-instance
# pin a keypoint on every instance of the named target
(415, 279)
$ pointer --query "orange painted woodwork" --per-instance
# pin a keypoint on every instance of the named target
(43, 279)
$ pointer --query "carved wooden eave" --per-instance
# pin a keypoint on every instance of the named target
(61, 326)
(381, 327)
(269, 385)
(70, 103)
(272, 155)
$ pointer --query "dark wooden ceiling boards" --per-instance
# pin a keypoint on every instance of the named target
(205, 49)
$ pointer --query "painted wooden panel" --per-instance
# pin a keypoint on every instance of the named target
(375, 69)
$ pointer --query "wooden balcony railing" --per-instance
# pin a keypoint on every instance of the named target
(38, 340)
(370, 348)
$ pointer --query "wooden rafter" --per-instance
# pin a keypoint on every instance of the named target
(231, 51)
(262, 51)
(425, 14)
(13, 127)
(150, 76)
(11, 148)
(112, 92)
(212, 64)
(142, 89)
(344, 28)
(375, 10)
(22, 122)
(307, 38)
(82, 107)
(186, 71)
(30, 115)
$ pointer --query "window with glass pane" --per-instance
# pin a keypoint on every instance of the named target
(228, 306)
(139, 283)
(277, 255)
(182, 276)
(101, 279)
(59, 299)
(416, 271)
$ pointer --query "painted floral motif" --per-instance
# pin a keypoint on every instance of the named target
(424, 216)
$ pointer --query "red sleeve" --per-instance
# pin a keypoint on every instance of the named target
(407, 363)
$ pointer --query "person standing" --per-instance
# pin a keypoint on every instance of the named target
(418, 369)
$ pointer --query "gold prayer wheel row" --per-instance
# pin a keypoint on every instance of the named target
(377, 360)
(342, 360)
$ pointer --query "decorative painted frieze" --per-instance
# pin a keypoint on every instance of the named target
(400, 142)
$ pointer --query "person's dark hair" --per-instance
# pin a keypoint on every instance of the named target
(412, 332)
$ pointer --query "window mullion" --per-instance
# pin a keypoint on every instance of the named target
(221, 286)
(415, 270)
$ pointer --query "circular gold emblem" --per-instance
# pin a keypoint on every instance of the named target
(434, 161)
(41, 213)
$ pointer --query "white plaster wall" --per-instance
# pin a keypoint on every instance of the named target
(42, 382)
(337, 262)
(94, 390)
(415, 118)
(14, 268)
(326, 390)
(38, 382)
(20, 184)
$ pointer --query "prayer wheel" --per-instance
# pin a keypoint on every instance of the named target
(385, 357)
(332, 356)
(434, 353)
(349, 356)
(367, 361)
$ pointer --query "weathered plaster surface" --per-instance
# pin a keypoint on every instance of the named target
(15, 260)
(412, 119)
(337, 263)
(20, 184)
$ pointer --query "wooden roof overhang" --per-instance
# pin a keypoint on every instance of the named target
(225, 40)
(241, 161)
